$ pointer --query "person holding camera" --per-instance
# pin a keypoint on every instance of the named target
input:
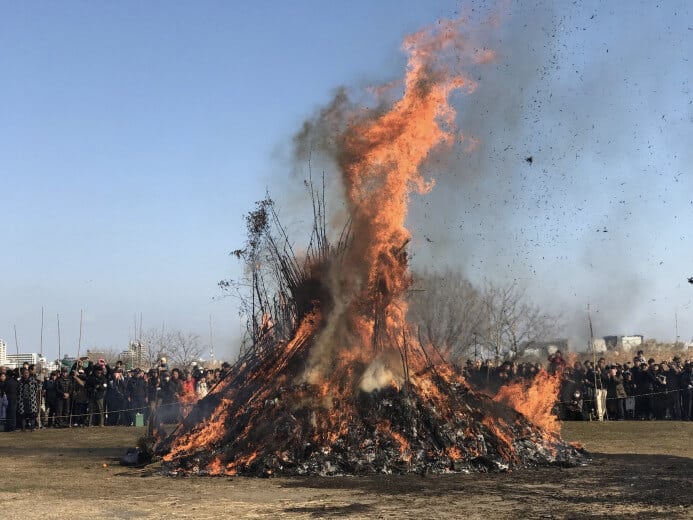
(96, 390)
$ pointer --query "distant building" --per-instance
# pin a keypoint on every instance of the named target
(541, 349)
(50, 366)
(629, 343)
(3, 353)
(17, 360)
(611, 342)
(136, 355)
(598, 345)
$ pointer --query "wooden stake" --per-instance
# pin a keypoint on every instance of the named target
(79, 343)
(59, 358)
(41, 331)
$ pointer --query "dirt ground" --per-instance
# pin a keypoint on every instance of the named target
(638, 470)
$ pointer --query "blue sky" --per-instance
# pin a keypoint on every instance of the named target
(135, 136)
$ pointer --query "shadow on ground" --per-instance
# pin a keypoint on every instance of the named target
(636, 480)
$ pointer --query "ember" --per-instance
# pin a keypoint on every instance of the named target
(348, 390)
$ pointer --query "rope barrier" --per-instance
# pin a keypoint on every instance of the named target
(636, 396)
(179, 403)
(87, 413)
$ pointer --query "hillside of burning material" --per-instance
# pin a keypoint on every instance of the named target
(259, 423)
(334, 383)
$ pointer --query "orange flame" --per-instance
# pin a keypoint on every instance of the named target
(535, 400)
(361, 341)
(380, 156)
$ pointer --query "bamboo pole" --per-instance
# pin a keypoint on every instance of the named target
(59, 358)
(79, 342)
(41, 331)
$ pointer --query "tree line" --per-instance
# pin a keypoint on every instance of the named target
(462, 320)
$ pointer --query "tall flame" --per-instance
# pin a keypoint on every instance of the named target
(380, 155)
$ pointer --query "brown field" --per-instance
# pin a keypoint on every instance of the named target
(639, 470)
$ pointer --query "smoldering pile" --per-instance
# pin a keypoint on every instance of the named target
(258, 423)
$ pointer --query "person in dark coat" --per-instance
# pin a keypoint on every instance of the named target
(117, 399)
(153, 390)
(137, 394)
(645, 385)
(686, 384)
(28, 394)
(64, 388)
(96, 390)
(11, 392)
(80, 399)
(50, 395)
(3, 398)
(171, 390)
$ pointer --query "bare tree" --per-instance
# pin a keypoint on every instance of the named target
(449, 312)
(180, 348)
(156, 345)
(514, 322)
(109, 355)
(184, 349)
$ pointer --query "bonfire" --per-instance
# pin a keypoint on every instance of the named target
(336, 381)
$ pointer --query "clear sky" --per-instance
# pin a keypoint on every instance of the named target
(134, 136)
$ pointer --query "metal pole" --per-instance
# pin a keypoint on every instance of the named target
(211, 340)
(59, 358)
(594, 359)
(16, 345)
(79, 343)
(41, 331)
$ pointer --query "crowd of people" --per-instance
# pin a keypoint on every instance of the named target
(641, 389)
(96, 394)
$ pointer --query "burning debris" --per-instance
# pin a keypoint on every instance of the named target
(335, 381)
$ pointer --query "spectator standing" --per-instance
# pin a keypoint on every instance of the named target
(64, 388)
(686, 383)
(188, 385)
(3, 399)
(171, 390)
(50, 396)
(96, 390)
(12, 394)
(615, 394)
(117, 399)
(153, 389)
(137, 394)
(201, 388)
(28, 394)
(80, 399)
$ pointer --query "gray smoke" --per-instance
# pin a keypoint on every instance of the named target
(575, 150)
(566, 175)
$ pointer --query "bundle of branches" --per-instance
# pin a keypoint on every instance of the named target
(281, 287)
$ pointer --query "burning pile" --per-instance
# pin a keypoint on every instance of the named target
(336, 382)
